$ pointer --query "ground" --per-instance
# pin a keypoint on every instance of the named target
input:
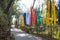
(21, 35)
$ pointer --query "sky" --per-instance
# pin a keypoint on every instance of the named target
(25, 5)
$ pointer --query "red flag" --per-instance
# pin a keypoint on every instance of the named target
(33, 16)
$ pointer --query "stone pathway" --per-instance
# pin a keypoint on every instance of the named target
(21, 35)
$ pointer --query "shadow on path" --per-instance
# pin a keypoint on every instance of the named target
(21, 35)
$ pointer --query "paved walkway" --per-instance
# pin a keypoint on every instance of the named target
(21, 35)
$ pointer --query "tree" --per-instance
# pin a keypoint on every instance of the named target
(4, 19)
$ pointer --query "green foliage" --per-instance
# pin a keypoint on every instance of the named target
(3, 19)
(4, 3)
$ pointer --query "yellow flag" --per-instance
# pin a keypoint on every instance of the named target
(48, 14)
(22, 21)
(54, 13)
(54, 16)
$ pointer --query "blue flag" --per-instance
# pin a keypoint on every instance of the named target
(25, 18)
(59, 12)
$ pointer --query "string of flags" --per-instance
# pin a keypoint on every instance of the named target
(47, 13)
(36, 16)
